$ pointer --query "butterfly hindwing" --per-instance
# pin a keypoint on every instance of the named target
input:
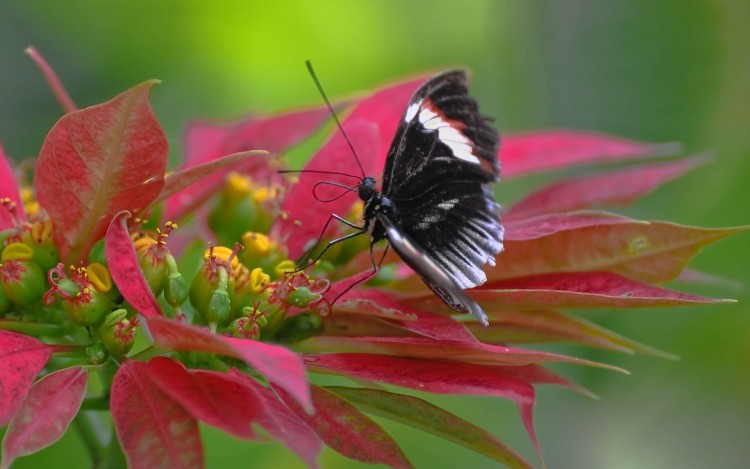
(433, 275)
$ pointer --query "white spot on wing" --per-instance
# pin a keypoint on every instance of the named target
(448, 204)
(411, 111)
(459, 144)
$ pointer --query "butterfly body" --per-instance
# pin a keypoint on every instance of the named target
(435, 208)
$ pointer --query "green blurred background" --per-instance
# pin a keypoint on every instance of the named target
(654, 70)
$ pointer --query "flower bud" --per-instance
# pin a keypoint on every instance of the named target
(152, 263)
(39, 237)
(301, 297)
(97, 354)
(175, 285)
(117, 332)
(88, 307)
(235, 210)
(23, 281)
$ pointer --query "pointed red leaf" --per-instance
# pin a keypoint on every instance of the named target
(418, 347)
(45, 414)
(126, 269)
(435, 326)
(621, 187)
(422, 415)
(651, 252)
(304, 220)
(276, 363)
(348, 431)
(552, 326)
(21, 359)
(435, 376)
(549, 224)
(542, 151)
(211, 397)
(9, 189)
(154, 430)
(281, 423)
(98, 161)
(570, 290)
(186, 177)
(206, 142)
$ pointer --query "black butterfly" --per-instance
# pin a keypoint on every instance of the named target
(436, 208)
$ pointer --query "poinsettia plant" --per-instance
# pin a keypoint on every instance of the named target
(179, 290)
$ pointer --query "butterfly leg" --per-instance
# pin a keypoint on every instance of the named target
(302, 265)
(375, 268)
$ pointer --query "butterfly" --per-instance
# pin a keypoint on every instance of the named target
(436, 208)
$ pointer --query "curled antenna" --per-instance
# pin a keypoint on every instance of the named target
(333, 113)
(335, 173)
(335, 184)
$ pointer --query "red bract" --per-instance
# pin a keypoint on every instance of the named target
(21, 359)
(250, 332)
(98, 161)
(206, 142)
(154, 429)
(45, 414)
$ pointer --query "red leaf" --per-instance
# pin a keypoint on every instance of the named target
(651, 252)
(283, 424)
(552, 326)
(99, 161)
(189, 176)
(9, 189)
(435, 326)
(45, 414)
(305, 220)
(424, 416)
(21, 359)
(348, 431)
(436, 376)
(126, 270)
(550, 224)
(154, 430)
(543, 151)
(622, 186)
(276, 363)
(568, 290)
(206, 142)
(418, 347)
(214, 398)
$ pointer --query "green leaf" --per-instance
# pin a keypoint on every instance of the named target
(424, 416)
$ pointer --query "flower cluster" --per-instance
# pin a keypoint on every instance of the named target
(236, 333)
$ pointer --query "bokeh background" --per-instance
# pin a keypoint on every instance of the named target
(659, 70)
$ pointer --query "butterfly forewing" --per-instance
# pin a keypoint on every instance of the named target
(443, 155)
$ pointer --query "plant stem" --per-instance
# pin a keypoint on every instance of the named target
(93, 433)
(34, 329)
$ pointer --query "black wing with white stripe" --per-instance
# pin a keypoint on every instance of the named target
(436, 174)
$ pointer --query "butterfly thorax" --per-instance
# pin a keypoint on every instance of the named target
(375, 203)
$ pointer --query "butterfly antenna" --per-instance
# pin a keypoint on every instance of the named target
(335, 184)
(333, 113)
(316, 171)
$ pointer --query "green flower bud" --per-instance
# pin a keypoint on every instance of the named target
(97, 354)
(175, 285)
(152, 262)
(88, 308)
(23, 281)
(117, 332)
(301, 297)
(41, 241)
